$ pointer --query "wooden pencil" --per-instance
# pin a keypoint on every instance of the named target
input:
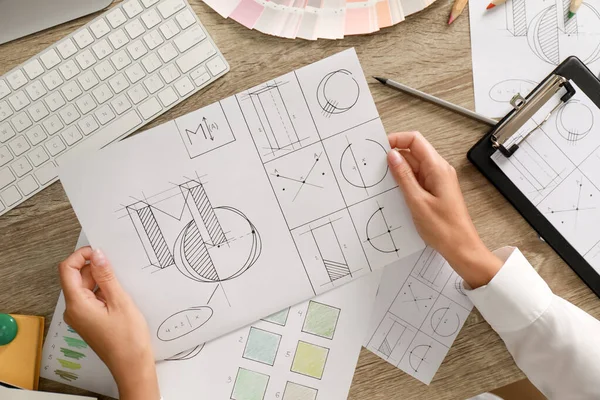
(575, 4)
(457, 9)
(495, 3)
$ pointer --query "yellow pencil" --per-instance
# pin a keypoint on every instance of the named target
(575, 4)
(495, 3)
(457, 9)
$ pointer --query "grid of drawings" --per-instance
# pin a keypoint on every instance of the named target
(422, 318)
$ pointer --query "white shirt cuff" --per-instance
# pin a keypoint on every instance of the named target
(515, 297)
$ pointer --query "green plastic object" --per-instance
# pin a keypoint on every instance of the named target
(8, 329)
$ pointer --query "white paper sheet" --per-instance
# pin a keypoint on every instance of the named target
(518, 44)
(18, 394)
(420, 309)
(306, 352)
(246, 206)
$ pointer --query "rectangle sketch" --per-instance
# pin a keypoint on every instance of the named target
(295, 391)
(249, 385)
(262, 346)
(310, 360)
(321, 320)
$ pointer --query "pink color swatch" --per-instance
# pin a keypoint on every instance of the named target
(247, 13)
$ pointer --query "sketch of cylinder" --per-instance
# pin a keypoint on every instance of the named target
(203, 213)
(565, 24)
(516, 17)
(192, 257)
(150, 235)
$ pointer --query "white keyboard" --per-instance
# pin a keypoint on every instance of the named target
(98, 85)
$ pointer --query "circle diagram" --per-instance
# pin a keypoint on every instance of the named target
(337, 92)
(358, 167)
(417, 355)
(380, 233)
(445, 322)
(574, 121)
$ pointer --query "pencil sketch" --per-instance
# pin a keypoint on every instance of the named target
(418, 355)
(432, 270)
(445, 322)
(262, 346)
(295, 391)
(187, 355)
(338, 92)
(504, 91)
(574, 121)
(183, 322)
(250, 385)
(356, 167)
(380, 232)
(308, 179)
(310, 360)
(321, 320)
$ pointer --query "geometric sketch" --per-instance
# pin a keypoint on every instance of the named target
(304, 180)
(294, 391)
(379, 232)
(183, 323)
(445, 322)
(321, 320)
(249, 385)
(337, 92)
(355, 167)
(418, 355)
(186, 355)
(432, 269)
(574, 121)
(199, 251)
(262, 346)
(391, 339)
(503, 92)
(458, 285)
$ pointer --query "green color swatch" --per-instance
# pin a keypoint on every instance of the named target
(294, 391)
(66, 375)
(321, 320)
(262, 346)
(71, 329)
(72, 353)
(279, 318)
(310, 360)
(69, 364)
(249, 385)
(76, 343)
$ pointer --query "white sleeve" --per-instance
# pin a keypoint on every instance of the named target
(555, 344)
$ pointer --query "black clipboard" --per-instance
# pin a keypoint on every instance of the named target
(480, 155)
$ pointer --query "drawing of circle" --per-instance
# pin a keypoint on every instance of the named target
(199, 258)
(187, 355)
(379, 234)
(458, 285)
(358, 167)
(418, 355)
(574, 121)
(445, 322)
(503, 92)
(338, 92)
(183, 323)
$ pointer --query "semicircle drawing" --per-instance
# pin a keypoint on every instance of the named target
(338, 92)
(418, 355)
(574, 120)
(183, 323)
(380, 234)
(357, 166)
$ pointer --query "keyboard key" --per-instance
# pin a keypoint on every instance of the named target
(116, 18)
(71, 135)
(150, 108)
(6, 132)
(85, 59)
(46, 173)
(27, 185)
(69, 69)
(137, 49)
(185, 19)
(88, 80)
(167, 52)
(169, 29)
(137, 94)
(11, 196)
(21, 122)
(16, 79)
(170, 7)
(104, 70)
(36, 135)
(102, 49)
(120, 60)
(202, 79)
(5, 111)
(4, 89)
(121, 104)
(53, 124)
(50, 59)
(36, 90)
(52, 80)
(5, 156)
(151, 19)
(135, 73)
(71, 91)
(153, 84)
(99, 28)
(132, 8)
(21, 167)
(19, 146)
(55, 146)
(216, 66)
(6, 177)
(190, 38)
(88, 125)
(118, 39)
(184, 86)
(170, 73)
(195, 74)
(168, 97)
(66, 48)
(153, 40)
(86, 104)
(148, 3)
(69, 114)
(38, 111)
(54, 101)
(83, 38)
(118, 83)
(151, 63)
(33, 69)
(135, 28)
(19, 100)
(102, 93)
(104, 115)
(38, 156)
(196, 56)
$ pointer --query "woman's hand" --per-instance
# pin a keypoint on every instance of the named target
(109, 322)
(432, 193)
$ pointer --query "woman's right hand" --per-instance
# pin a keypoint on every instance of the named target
(432, 192)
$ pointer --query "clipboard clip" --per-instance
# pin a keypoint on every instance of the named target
(507, 137)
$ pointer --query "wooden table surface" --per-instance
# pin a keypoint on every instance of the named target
(422, 52)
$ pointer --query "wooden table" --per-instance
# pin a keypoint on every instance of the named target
(422, 52)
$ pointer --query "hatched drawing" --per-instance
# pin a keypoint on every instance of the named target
(338, 92)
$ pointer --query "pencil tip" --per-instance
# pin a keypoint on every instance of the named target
(570, 15)
(490, 6)
(451, 19)
(382, 80)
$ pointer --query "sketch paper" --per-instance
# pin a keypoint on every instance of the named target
(305, 352)
(558, 169)
(517, 44)
(246, 206)
(420, 308)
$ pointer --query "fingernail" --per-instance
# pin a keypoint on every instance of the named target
(394, 158)
(98, 258)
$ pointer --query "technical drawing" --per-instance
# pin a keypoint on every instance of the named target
(392, 338)
(574, 121)
(249, 385)
(380, 233)
(183, 323)
(356, 167)
(204, 247)
(432, 269)
(262, 346)
(445, 322)
(418, 356)
(187, 355)
(458, 285)
(321, 320)
(504, 91)
(310, 179)
(516, 17)
(310, 360)
(295, 391)
(338, 92)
